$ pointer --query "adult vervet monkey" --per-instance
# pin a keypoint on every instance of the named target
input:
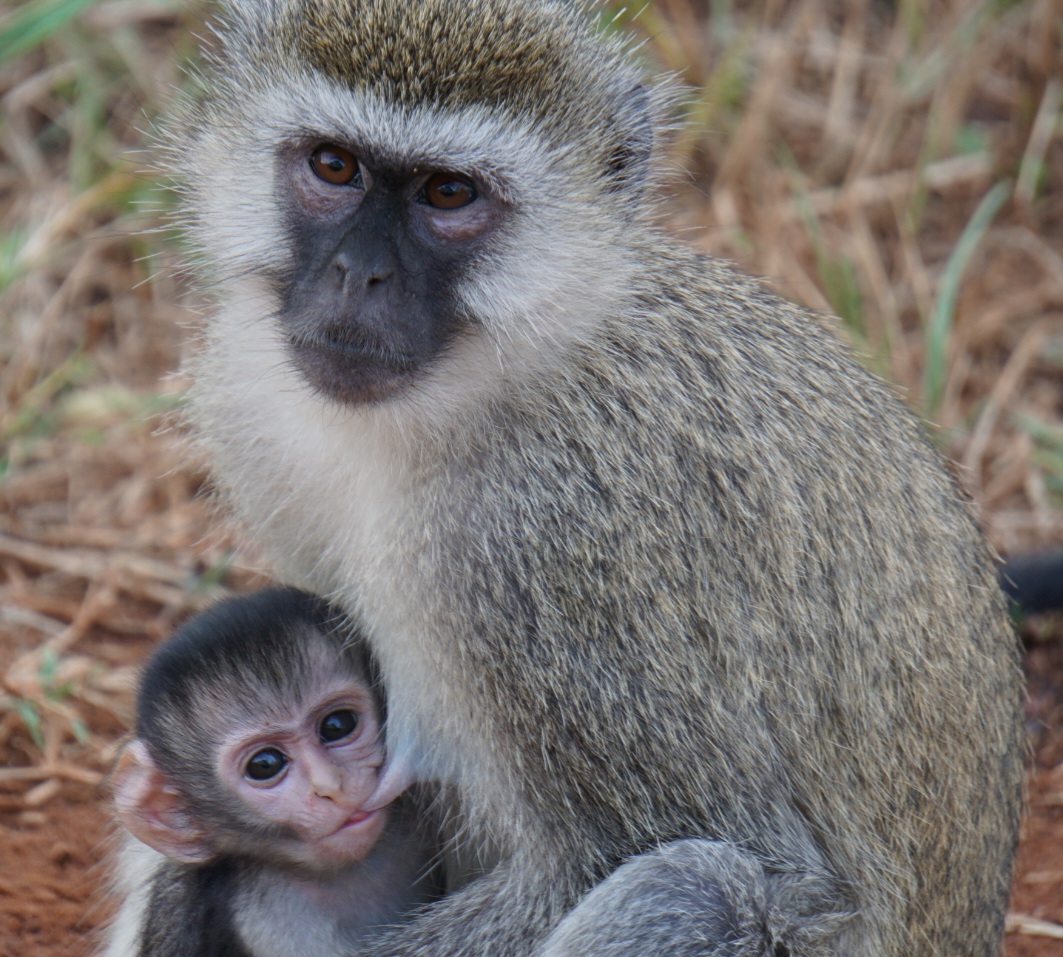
(677, 597)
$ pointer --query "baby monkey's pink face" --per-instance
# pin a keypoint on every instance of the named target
(312, 766)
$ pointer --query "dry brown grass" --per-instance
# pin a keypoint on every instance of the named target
(102, 539)
(898, 164)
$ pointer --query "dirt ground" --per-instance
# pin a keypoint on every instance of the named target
(1037, 890)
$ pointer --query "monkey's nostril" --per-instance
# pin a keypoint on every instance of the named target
(338, 273)
(381, 276)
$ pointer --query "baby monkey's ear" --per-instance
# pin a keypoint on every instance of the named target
(152, 809)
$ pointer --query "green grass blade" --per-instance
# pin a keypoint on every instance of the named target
(937, 332)
(31, 718)
(34, 23)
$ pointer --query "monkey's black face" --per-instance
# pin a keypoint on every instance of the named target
(376, 252)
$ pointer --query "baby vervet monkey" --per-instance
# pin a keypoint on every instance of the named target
(258, 744)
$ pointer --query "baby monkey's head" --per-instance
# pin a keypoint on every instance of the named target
(258, 735)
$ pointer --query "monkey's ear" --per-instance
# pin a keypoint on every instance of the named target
(629, 162)
(153, 811)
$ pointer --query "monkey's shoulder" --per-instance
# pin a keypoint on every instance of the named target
(720, 332)
(707, 371)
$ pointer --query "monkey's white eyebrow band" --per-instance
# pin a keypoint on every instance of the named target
(470, 140)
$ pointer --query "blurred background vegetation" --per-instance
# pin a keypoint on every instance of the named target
(896, 163)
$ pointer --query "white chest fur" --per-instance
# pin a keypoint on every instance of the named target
(328, 492)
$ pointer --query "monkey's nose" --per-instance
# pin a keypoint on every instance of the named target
(357, 275)
(378, 276)
(325, 780)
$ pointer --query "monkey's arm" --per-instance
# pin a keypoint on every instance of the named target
(690, 898)
(700, 898)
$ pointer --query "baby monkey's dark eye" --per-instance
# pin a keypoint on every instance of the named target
(448, 191)
(337, 725)
(335, 165)
(265, 765)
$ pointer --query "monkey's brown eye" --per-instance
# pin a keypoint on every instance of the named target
(448, 191)
(265, 765)
(335, 165)
(337, 725)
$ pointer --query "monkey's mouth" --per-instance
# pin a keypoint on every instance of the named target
(357, 822)
(366, 350)
(352, 369)
(357, 817)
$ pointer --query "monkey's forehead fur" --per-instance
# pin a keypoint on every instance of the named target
(244, 650)
(526, 58)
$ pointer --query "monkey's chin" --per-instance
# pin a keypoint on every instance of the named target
(350, 374)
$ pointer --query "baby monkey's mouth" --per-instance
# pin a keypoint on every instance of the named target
(359, 825)
(357, 817)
